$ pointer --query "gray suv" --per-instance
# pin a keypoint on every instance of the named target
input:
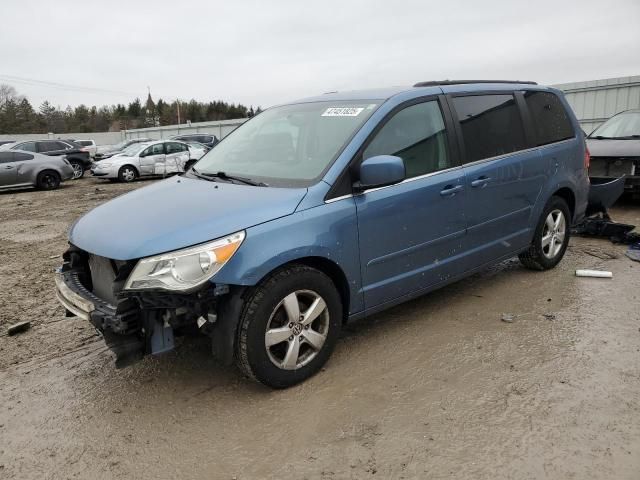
(29, 169)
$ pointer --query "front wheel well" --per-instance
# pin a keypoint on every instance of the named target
(567, 195)
(333, 271)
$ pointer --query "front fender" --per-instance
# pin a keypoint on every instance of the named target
(328, 231)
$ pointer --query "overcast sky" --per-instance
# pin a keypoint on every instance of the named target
(263, 53)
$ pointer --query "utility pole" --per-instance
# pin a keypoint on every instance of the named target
(178, 104)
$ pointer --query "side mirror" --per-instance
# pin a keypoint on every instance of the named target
(380, 171)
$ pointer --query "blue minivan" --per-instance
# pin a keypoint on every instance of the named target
(326, 210)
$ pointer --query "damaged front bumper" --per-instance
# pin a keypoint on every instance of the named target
(78, 300)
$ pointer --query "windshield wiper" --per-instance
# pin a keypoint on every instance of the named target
(201, 176)
(600, 137)
(233, 178)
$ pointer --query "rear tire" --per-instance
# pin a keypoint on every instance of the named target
(78, 169)
(127, 173)
(275, 348)
(48, 180)
(551, 237)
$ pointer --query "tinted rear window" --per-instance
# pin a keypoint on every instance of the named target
(550, 120)
(19, 156)
(84, 143)
(491, 125)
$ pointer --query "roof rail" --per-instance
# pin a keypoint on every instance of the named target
(435, 83)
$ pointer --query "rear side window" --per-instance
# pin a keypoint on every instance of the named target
(21, 157)
(175, 147)
(491, 125)
(550, 120)
(6, 157)
(50, 146)
(84, 143)
(417, 135)
(206, 139)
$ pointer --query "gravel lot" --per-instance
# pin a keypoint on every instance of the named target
(437, 388)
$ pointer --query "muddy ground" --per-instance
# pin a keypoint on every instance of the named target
(437, 388)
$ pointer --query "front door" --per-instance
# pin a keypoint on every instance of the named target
(152, 160)
(8, 169)
(411, 233)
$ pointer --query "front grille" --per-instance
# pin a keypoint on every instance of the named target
(108, 276)
(613, 167)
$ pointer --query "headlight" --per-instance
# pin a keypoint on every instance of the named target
(185, 269)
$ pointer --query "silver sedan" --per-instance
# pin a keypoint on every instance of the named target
(147, 159)
(28, 169)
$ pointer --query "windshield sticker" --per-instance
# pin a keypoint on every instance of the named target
(342, 112)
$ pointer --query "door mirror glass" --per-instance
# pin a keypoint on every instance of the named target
(380, 171)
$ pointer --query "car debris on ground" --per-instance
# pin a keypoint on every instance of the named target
(594, 273)
(18, 328)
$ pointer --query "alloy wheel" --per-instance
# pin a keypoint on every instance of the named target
(297, 329)
(553, 233)
(77, 170)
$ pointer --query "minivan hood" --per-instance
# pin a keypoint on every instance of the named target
(613, 148)
(177, 213)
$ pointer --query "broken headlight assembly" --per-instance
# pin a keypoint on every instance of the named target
(184, 270)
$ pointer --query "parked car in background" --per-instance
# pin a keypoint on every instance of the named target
(90, 145)
(160, 157)
(29, 169)
(615, 149)
(6, 142)
(107, 151)
(77, 155)
(203, 138)
(327, 210)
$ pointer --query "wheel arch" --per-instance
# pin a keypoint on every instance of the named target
(331, 270)
(568, 196)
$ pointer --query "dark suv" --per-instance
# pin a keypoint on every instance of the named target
(203, 138)
(77, 155)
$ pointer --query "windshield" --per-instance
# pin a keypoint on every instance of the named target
(290, 145)
(133, 149)
(623, 125)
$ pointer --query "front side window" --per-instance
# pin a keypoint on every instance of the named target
(28, 146)
(290, 145)
(550, 120)
(417, 135)
(156, 149)
(491, 125)
(624, 126)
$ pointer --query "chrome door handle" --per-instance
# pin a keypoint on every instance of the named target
(8, 167)
(450, 190)
(480, 182)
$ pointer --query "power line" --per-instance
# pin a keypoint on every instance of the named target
(62, 86)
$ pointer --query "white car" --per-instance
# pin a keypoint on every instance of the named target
(146, 159)
(90, 145)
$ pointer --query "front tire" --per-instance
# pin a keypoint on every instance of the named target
(288, 327)
(127, 173)
(551, 237)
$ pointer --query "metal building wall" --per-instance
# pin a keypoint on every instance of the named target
(597, 100)
(220, 129)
